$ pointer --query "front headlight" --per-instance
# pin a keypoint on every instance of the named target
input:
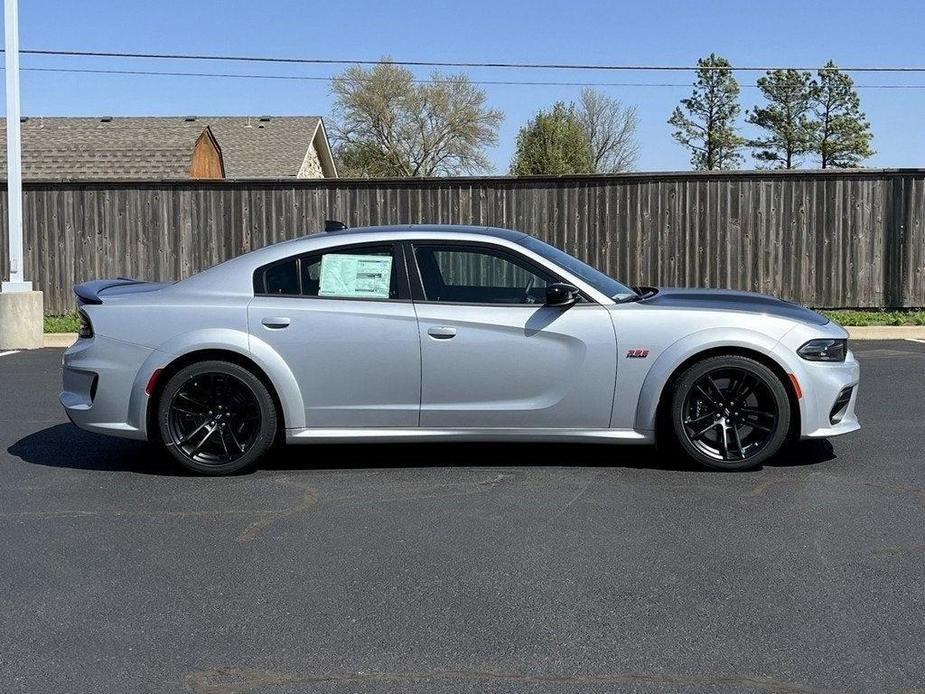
(824, 350)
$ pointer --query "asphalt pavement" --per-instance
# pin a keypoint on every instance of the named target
(463, 568)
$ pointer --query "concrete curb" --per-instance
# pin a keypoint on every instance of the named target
(870, 332)
(887, 332)
(60, 339)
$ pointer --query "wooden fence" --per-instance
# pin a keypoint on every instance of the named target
(821, 238)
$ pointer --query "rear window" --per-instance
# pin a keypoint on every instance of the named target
(354, 273)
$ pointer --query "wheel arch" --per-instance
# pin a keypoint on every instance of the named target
(208, 354)
(700, 345)
(664, 398)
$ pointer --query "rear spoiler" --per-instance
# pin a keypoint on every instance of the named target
(89, 292)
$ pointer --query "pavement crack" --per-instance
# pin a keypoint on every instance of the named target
(496, 480)
(308, 501)
(581, 492)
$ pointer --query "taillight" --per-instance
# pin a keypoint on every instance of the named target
(84, 329)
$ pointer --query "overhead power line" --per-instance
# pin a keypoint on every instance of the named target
(328, 78)
(318, 78)
(435, 63)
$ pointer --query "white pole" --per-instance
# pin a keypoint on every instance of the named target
(14, 151)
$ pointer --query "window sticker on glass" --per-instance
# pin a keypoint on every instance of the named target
(356, 275)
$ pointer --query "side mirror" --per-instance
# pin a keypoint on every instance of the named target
(561, 294)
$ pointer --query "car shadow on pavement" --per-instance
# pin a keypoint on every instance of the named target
(66, 446)
(470, 454)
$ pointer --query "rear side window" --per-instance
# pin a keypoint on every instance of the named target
(369, 272)
(283, 278)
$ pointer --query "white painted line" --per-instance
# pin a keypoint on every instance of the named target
(9, 352)
(915, 339)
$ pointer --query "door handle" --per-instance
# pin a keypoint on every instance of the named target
(442, 332)
(276, 323)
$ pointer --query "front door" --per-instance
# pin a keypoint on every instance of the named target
(343, 321)
(493, 355)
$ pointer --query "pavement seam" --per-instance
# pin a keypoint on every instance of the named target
(238, 680)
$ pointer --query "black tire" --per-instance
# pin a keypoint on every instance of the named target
(730, 412)
(216, 418)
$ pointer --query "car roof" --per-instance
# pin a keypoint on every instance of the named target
(330, 239)
(430, 229)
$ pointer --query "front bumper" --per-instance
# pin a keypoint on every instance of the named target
(821, 383)
(824, 383)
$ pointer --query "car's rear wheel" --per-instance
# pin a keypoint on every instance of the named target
(216, 418)
(730, 412)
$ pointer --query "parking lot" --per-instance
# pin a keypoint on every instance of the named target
(463, 568)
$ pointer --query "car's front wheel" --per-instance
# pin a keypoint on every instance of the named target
(216, 418)
(730, 412)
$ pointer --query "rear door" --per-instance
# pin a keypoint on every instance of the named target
(493, 355)
(343, 321)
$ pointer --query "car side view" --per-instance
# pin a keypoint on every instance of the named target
(410, 332)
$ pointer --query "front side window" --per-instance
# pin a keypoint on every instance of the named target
(353, 273)
(603, 283)
(478, 275)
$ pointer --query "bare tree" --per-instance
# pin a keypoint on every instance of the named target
(610, 127)
(387, 124)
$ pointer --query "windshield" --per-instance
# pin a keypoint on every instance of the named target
(597, 279)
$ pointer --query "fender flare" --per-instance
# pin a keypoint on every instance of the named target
(690, 346)
(228, 340)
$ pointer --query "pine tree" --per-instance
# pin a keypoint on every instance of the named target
(787, 118)
(842, 131)
(705, 122)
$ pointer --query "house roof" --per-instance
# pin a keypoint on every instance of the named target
(161, 147)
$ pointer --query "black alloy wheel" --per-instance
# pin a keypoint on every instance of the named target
(730, 412)
(216, 417)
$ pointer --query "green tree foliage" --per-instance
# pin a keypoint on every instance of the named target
(553, 143)
(842, 133)
(705, 123)
(786, 119)
(386, 124)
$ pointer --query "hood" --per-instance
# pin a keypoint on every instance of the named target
(729, 300)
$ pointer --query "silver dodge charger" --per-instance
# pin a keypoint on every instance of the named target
(447, 333)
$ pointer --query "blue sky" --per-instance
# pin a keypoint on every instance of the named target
(779, 32)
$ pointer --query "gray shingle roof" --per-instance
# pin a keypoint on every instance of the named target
(263, 149)
(159, 147)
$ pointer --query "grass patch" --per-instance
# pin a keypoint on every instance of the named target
(876, 317)
(65, 323)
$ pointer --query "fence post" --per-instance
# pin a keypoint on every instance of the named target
(895, 244)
